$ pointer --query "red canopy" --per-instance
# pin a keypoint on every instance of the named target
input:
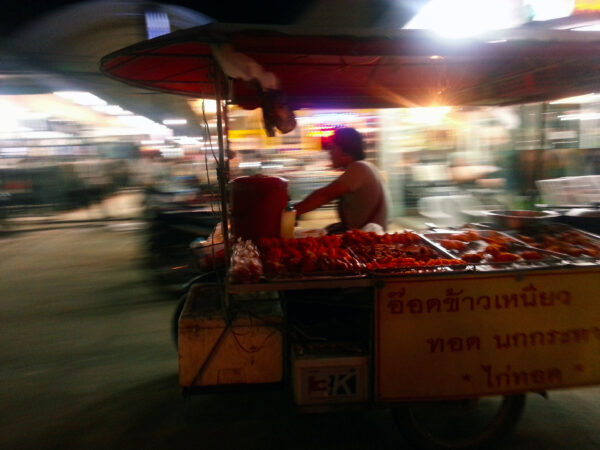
(370, 68)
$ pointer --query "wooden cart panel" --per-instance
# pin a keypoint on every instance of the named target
(446, 337)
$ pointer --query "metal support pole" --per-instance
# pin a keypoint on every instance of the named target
(227, 143)
(222, 172)
(222, 176)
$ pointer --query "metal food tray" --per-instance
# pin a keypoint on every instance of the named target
(418, 270)
(549, 259)
(556, 228)
(317, 274)
(314, 276)
(440, 252)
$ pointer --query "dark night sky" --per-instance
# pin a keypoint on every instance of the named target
(18, 12)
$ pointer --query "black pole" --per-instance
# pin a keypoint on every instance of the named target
(222, 172)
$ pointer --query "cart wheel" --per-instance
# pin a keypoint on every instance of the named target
(461, 424)
(175, 319)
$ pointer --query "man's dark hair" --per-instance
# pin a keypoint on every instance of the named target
(350, 141)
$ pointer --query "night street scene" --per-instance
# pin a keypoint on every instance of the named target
(328, 224)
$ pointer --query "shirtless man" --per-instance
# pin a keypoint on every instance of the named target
(360, 190)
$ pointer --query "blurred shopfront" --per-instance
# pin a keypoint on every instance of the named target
(495, 154)
(66, 150)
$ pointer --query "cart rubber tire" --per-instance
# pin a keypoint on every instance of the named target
(412, 420)
(175, 320)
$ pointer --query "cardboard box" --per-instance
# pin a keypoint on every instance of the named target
(249, 351)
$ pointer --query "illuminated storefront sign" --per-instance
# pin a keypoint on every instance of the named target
(587, 5)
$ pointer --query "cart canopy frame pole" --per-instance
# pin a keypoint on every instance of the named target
(222, 172)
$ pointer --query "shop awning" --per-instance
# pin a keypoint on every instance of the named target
(370, 68)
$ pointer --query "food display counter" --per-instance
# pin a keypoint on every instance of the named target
(476, 336)
(436, 326)
(419, 328)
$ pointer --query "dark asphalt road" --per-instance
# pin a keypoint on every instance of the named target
(86, 362)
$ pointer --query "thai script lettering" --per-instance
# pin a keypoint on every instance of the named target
(514, 378)
(548, 337)
(458, 300)
(454, 344)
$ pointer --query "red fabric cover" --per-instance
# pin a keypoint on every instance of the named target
(368, 69)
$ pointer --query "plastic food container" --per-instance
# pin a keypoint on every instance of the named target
(257, 202)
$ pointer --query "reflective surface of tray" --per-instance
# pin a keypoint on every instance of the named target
(493, 250)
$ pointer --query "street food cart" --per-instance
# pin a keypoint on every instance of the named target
(435, 324)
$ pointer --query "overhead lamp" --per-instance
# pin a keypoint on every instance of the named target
(81, 98)
(210, 106)
(581, 116)
(113, 110)
(171, 152)
(250, 164)
(42, 134)
(428, 115)
(329, 118)
(174, 122)
(144, 124)
(551, 9)
(188, 140)
(14, 152)
(463, 18)
(157, 22)
(586, 98)
(595, 27)
(32, 115)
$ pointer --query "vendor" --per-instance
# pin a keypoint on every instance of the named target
(360, 189)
